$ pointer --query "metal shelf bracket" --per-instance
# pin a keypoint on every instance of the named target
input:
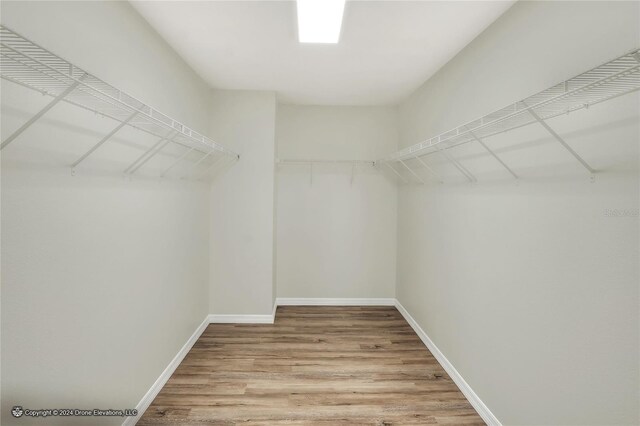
(562, 142)
(396, 172)
(103, 140)
(471, 178)
(159, 146)
(493, 154)
(192, 169)
(143, 155)
(175, 163)
(39, 114)
(31, 66)
(429, 169)
(607, 81)
(412, 172)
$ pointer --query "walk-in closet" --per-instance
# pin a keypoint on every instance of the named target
(320, 212)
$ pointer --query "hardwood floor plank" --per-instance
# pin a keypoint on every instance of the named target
(316, 365)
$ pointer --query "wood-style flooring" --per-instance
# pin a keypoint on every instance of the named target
(317, 365)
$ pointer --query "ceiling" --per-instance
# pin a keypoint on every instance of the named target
(387, 48)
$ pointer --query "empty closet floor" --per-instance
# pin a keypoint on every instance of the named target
(320, 365)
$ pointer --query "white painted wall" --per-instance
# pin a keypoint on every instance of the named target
(242, 205)
(336, 237)
(531, 289)
(103, 279)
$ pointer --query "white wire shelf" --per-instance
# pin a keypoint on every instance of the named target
(30, 65)
(607, 81)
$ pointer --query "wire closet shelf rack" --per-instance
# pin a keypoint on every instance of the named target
(30, 65)
(607, 81)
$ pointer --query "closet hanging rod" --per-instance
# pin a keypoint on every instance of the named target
(607, 81)
(32, 66)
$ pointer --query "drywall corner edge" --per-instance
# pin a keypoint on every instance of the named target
(464, 387)
(166, 374)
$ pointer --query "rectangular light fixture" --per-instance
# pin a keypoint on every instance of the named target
(319, 21)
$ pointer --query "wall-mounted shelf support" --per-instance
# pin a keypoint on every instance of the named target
(586, 165)
(396, 172)
(429, 169)
(39, 114)
(213, 165)
(29, 65)
(192, 169)
(175, 163)
(144, 154)
(103, 140)
(494, 155)
(610, 80)
(456, 163)
(152, 154)
(412, 172)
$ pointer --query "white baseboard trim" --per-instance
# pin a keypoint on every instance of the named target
(324, 301)
(166, 374)
(244, 319)
(475, 401)
(473, 398)
(240, 319)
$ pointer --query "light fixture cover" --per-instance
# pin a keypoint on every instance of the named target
(319, 21)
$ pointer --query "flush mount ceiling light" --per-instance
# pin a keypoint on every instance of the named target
(319, 21)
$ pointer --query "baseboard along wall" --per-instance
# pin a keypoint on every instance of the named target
(323, 301)
(473, 398)
(148, 398)
(466, 390)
